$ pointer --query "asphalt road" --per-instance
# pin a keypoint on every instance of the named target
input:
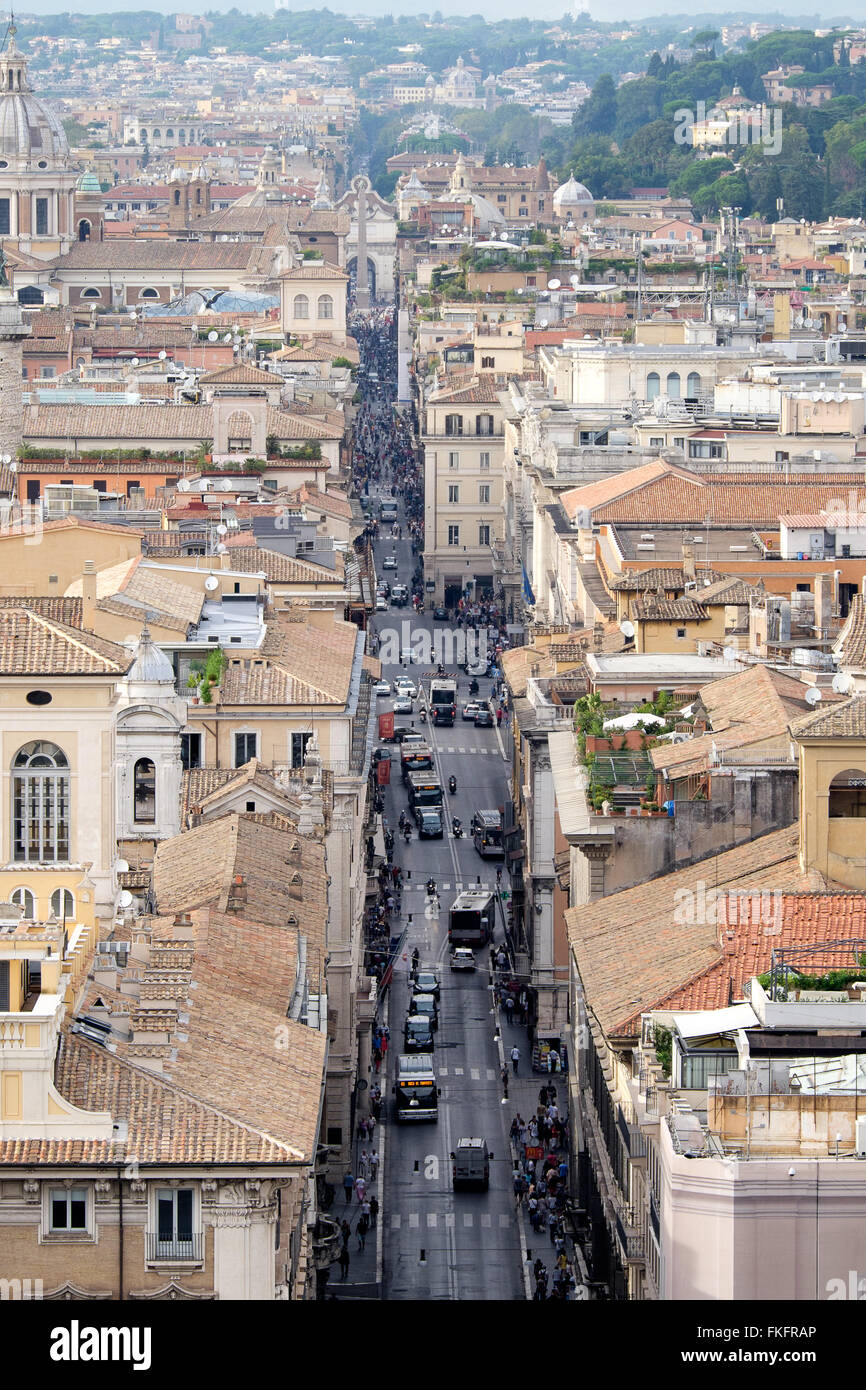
(437, 1243)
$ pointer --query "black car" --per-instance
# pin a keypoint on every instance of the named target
(425, 982)
(418, 1034)
(484, 718)
(440, 613)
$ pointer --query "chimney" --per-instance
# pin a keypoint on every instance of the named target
(689, 564)
(823, 604)
(88, 596)
(237, 895)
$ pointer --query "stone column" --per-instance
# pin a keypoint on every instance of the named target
(12, 330)
(361, 185)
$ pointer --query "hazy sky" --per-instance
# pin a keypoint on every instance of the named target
(609, 10)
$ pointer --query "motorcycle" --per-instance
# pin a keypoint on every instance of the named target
(473, 687)
(456, 827)
(452, 784)
(431, 887)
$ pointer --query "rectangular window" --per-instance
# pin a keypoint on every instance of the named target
(453, 460)
(453, 535)
(41, 216)
(190, 751)
(454, 493)
(68, 1209)
(523, 212)
(299, 748)
(500, 198)
(657, 441)
(98, 484)
(484, 460)
(4, 986)
(4, 216)
(681, 632)
(679, 441)
(174, 1216)
(488, 363)
(484, 493)
(245, 748)
(483, 535)
(133, 483)
(523, 197)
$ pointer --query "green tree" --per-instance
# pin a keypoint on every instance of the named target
(597, 115)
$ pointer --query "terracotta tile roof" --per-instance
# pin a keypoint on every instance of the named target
(67, 523)
(607, 489)
(204, 788)
(334, 503)
(279, 569)
(746, 944)
(138, 589)
(728, 499)
(150, 424)
(309, 353)
(31, 644)
(302, 665)
(58, 608)
(654, 609)
(312, 271)
(846, 719)
(850, 646)
(728, 590)
(658, 577)
(240, 374)
(109, 468)
(136, 254)
(481, 392)
(634, 948)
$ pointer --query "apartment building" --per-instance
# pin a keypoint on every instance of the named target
(462, 436)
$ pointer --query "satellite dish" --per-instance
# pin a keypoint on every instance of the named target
(225, 484)
(842, 683)
(125, 899)
(121, 867)
(134, 362)
(227, 338)
(813, 697)
(183, 485)
(222, 530)
(222, 550)
(730, 654)
(162, 354)
(211, 583)
(542, 323)
(626, 628)
(212, 336)
(554, 284)
(574, 281)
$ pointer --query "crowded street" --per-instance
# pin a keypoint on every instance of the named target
(423, 1238)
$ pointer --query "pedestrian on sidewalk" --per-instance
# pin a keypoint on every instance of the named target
(509, 1008)
(374, 1164)
(348, 1185)
(514, 1132)
(504, 1075)
(374, 1209)
(345, 1231)
(365, 1210)
(515, 1057)
(344, 1262)
(362, 1161)
(362, 1228)
(360, 1189)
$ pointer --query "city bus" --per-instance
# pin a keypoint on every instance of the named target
(425, 789)
(415, 1090)
(415, 757)
(471, 919)
(487, 834)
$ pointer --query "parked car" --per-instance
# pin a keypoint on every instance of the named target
(389, 562)
(470, 1164)
(427, 983)
(470, 710)
(425, 1004)
(484, 717)
(403, 705)
(408, 736)
(406, 687)
(382, 688)
(429, 822)
(462, 958)
(380, 755)
(399, 595)
(440, 613)
(407, 656)
(381, 603)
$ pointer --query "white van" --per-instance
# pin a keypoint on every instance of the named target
(470, 1164)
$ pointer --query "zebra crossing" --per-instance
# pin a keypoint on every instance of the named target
(493, 752)
(458, 887)
(474, 1072)
(448, 1219)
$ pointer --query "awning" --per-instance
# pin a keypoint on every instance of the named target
(379, 842)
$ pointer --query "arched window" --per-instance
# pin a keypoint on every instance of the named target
(144, 790)
(181, 135)
(63, 905)
(169, 135)
(148, 293)
(157, 134)
(198, 195)
(301, 307)
(674, 385)
(177, 197)
(84, 230)
(848, 794)
(653, 385)
(24, 898)
(326, 306)
(40, 804)
(693, 384)
(91, 293)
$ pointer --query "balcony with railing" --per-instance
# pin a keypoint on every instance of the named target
(185, 1249)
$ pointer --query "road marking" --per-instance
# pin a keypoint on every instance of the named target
(475, 1073)
(491, 1074)
(413, 1220)
(485, 1218)
(449, 1220)
(443, 1071)
(458, 1071)
(467, 1218)
(504, 1219)
(395, 1222)
(431, 1218)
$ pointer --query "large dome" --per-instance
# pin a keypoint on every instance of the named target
(30, 132)
(571, 193)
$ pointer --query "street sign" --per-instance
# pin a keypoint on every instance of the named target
(535, 1152)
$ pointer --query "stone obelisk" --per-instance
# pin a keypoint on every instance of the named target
(362, 186)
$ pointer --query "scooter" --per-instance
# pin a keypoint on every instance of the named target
(452, 784)
(473, 686)
(456, 827)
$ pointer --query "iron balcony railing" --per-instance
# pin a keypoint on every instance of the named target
(188, 1250)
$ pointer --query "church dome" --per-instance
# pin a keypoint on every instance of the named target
(150, 662)
(571, 194)
(30, 132)
(88, 183)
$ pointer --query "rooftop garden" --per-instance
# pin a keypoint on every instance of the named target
(619, 758)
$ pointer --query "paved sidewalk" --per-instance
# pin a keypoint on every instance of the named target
(364, 1276)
